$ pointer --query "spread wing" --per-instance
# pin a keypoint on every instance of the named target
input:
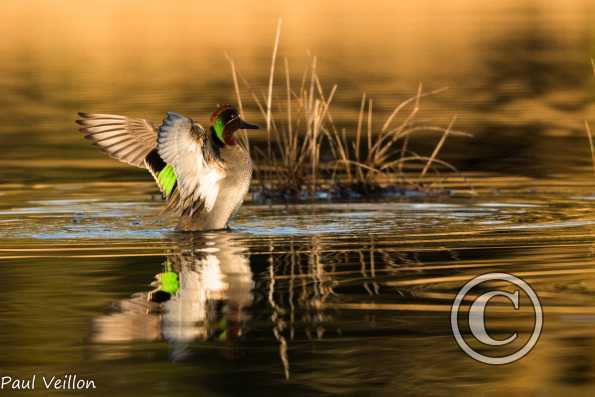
(185, 145)
(125, 139)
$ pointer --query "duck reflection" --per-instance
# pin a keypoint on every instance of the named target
(202, 293)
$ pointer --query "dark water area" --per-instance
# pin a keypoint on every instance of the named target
(314, 298)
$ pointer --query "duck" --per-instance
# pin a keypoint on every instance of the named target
(203, 174)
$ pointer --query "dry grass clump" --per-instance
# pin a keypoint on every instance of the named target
(365, 160)
(371, 157)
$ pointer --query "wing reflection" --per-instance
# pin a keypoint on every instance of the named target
(202, 293)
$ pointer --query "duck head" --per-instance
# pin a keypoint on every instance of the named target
(225, 121)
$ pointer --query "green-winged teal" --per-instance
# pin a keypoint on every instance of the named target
(204, 175)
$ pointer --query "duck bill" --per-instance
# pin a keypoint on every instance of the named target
(247, 126)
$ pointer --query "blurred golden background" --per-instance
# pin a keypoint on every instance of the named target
(516, 70)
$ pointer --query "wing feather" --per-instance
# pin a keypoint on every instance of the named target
(185, 145)
(125, 139)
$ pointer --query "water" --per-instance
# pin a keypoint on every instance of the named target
(318, 298)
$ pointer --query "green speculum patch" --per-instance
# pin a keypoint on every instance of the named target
(167, 180)
(170, 282)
